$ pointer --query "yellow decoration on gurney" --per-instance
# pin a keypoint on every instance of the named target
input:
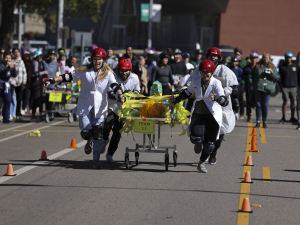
(153, 110)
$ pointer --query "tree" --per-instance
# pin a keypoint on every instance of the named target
(72, 8)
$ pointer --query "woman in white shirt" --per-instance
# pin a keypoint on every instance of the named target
(92, 108)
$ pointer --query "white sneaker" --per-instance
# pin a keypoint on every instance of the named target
(109, 158)
(237, 116)
(1, 118)
(104, 144)
(201, 167)
(10, 117)
(22, 112)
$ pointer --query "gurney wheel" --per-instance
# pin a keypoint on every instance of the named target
(137, 158)
(175, 159)
(167, 161)
(127, 161)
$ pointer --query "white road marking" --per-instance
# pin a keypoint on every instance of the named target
(29, 131)
(37, 163)
(13, 128)
(280, 111)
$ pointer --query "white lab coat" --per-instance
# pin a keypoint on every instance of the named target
(227, 78)
(131, 84)
(214, 107)
(93, 93)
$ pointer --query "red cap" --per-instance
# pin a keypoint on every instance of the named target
(99, 52)
(125, 64)
(214, 51)
(207, 66)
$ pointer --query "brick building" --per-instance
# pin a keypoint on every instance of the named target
(262, 25)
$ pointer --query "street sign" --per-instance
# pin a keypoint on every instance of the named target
(145, 12)
(156, 13)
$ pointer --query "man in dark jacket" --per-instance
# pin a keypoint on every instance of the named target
(288, 79)
(136, 66)
(249, 93)
(239, 54)
(178, 69)
(197, 60)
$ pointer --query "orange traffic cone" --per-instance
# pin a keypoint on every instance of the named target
(44, 156)
(253, 132)
(73, 144)
(253, 140)
(247, 178)
(246, 206)
(9, 171)
(249, 161)
(253, 148)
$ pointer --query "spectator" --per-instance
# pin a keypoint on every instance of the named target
(250, 102)
(169, 51)
(112, 60)
(288, 79)
(239, 54)
(1, 54)
(62, 62)
(263, 81)
(186, 59)
(178, 69)
(150, 64)
(144, 77)
(45, 52)
(24, 47)
(238, 99)
(197, 60)
(20, 80)
(27, 92)
(7, 70)
(163, 73)
(136, 66)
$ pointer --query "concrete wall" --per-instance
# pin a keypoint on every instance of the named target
(262, 25)
(34, 23)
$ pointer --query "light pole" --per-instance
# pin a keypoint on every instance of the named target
(150, 25)
(60, 15)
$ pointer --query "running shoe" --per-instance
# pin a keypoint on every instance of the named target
(242, 117)
(109, 158)
(248, 119)
(88, 148)
(293, 120)
(212, 159)
(298, 127)
(265, 125)
(257, 124)
(282, 119)
(96, 164)
(237, 116)
(198, 148)
(104, 144)
(201, 167)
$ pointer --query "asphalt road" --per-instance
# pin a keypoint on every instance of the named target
(67, 190)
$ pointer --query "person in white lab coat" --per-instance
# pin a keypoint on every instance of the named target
(206, 114)
(129, 82)
(230, 86)
(92, 108)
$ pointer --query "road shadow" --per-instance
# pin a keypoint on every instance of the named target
(292, 170)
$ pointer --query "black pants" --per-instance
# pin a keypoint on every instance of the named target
(204, 125)
(35, 94)
(26, 98)
(250, 101)
(218, 144)
(112, 123)
(19, 94)
(241, 90)
(166, 90)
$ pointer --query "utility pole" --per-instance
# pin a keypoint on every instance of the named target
(60, 16)
(150, 24)
(20, 28)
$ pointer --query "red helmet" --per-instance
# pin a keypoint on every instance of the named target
(125, 64)
(214, 51)
(99, 52)
(207, 66)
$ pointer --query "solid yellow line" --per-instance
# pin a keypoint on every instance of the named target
(266, 174)
(263, 139)
(243, 218)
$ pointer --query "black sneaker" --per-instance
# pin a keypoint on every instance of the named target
(257, 124)
(298, 127)
(88, 148)
(212, 159)
(198, 148)
(282, 119)
(293, 120)
(265, 125)
(248, 119)
(96, 164)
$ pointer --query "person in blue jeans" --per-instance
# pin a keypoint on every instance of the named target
(7, 70)
(263, 79)
(92, 107)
